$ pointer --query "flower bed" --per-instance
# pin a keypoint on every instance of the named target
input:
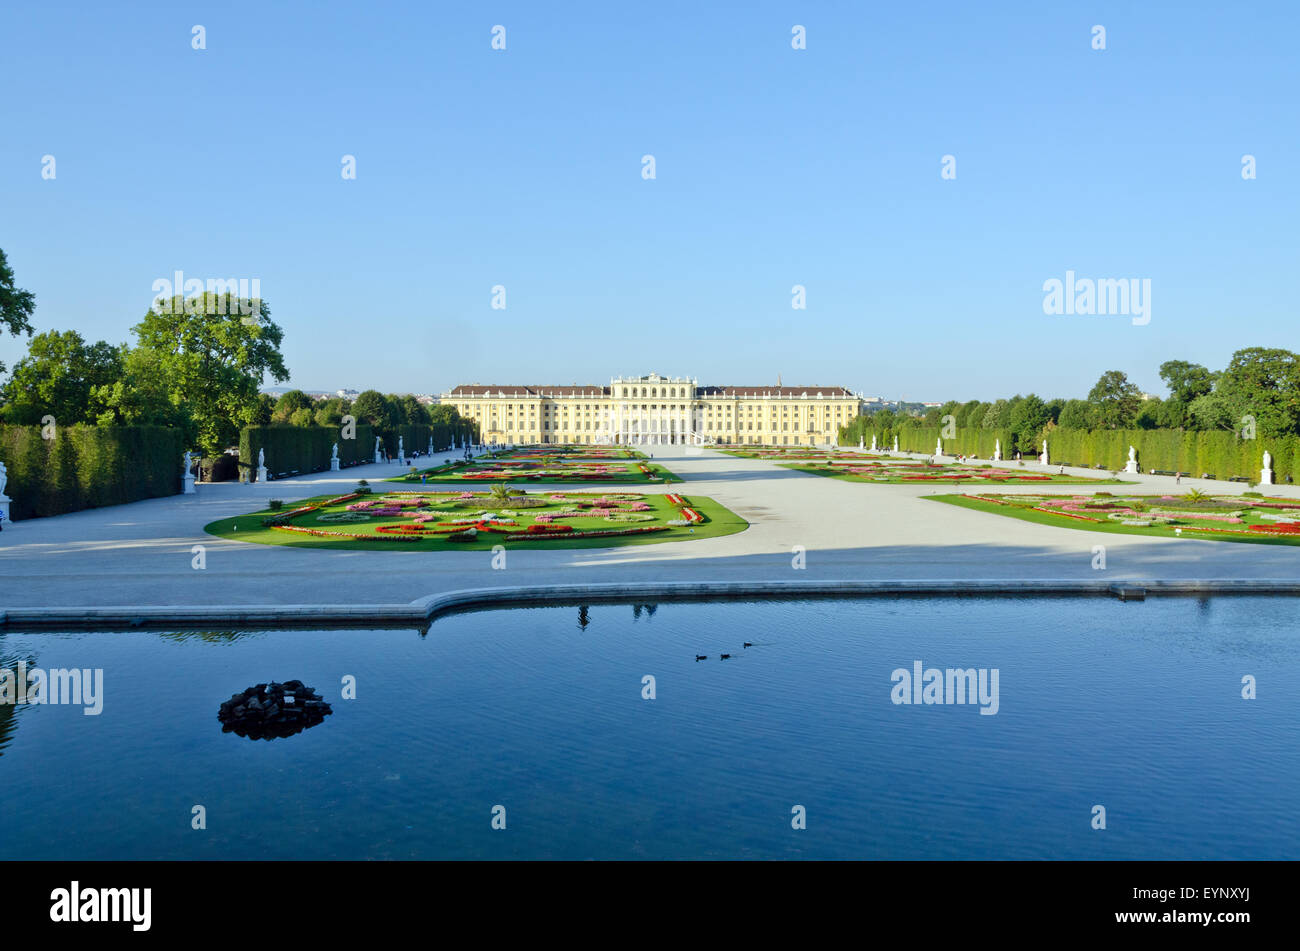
(1233, 517)
(429, 516)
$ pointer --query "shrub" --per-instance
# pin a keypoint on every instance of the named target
(85, 467)
(275, 505)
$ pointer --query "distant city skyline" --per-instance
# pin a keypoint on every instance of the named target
(821, 176)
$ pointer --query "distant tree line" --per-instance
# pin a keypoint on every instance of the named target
(195, 364)
(1257, 392)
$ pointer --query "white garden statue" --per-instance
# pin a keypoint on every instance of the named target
(1132, 465)
(1266, 473)
(401, 453)
(997, 450)
(896, 444)
(873, 443)
(4, 499)
(334, 458)
(4, 479)
(938, 447)
(379, 456)
(1044, 458)
(261, 465)
(187, 477)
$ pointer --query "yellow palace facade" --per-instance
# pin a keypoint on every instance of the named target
(656, 410)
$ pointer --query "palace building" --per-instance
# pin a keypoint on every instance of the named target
(657, 410)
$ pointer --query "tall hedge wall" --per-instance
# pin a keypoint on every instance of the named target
(307, 448)
(85, 467)
(1221, 454)
(302, 448)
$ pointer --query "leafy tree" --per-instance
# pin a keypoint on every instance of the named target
(330, 412)
(372, 407)
(60, 374)
(1150, 414)
(1263, 383)
(289, 403)
(1174, 414)
(16, 304)
(1116, 400)
(965, 412)
(412, 410)
(301, 417)
(214, 361)
(998, 415)
(1077, 414)
(141, 396)
(1026, 420)
(1186, 381)
(1211, 411)
(265, 409)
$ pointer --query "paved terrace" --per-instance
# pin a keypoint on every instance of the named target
(140, 554)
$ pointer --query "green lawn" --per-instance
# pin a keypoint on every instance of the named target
(1027, 513)
(624, 468)
(718, 521)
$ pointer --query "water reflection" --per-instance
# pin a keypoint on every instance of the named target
(9, 706)
(209, 637)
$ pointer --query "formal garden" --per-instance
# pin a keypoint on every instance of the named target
(544, 464)
(434, 521)
(1251, 517)
(792, 454)
(893, 471)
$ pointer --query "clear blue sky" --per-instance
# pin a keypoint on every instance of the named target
(775, 167)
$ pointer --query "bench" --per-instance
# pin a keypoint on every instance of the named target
(1239, 479)
(1168, 472)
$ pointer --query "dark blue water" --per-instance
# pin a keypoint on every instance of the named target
(1133, 706)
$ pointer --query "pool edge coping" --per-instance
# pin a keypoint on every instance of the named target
(425, 610)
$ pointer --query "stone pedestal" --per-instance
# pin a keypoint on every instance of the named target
(1265, 476)
(1131, 467)
(334, 464)
(261, 473)
(187, 480)
(4, 510)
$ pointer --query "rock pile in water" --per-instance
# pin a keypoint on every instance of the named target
(267, 711)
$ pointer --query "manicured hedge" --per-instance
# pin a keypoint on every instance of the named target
(307, 448)
(1221, 454)
(302, 448)
(85, 467)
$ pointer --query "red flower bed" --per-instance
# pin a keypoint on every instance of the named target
(525, 536)
(324, 534)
